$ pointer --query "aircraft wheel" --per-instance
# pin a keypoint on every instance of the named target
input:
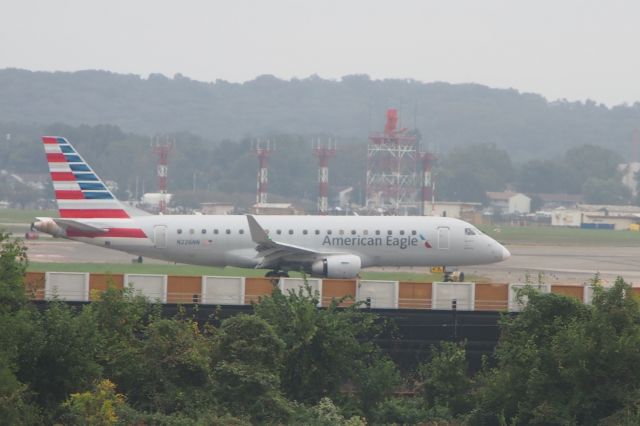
(277, 274)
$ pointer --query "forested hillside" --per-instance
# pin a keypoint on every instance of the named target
(447, 115)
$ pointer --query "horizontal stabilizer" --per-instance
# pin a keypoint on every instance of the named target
(67, 224)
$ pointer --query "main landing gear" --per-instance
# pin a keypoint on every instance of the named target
(277, 274)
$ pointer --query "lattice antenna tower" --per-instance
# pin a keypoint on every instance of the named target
(393, 164)
(263, 150)
(162, 147)
(324, 150)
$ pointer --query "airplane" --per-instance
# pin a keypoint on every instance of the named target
(321, 246)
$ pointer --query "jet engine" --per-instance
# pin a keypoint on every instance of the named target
(48, 226)
(337, 266)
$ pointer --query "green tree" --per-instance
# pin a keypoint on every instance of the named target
(444, 379)
(13, 265)
(375, 381)
(561, 362)
(589, 161)
(542, 176)
(605, 191)
(247, 361)
(174, 368)
(18, 332)
(324, 347)
(122, 319)
(97, 407)
(467, 173)
(61, 358)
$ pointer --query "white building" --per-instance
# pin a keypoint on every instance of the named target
(509, 202)
(217, 208)
(458, 210)
(592, 216)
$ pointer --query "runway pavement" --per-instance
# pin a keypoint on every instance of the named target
(558, 264)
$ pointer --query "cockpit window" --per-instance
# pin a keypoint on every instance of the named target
(469, 231)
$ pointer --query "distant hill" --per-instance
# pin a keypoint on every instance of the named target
(447, 115)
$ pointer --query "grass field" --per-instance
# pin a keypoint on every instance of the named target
(24, 216)
(167, 269)
(548, 235)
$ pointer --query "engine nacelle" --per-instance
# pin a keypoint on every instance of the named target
(48, 226)
(337, 266)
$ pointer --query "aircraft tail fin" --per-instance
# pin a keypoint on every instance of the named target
(79, 192)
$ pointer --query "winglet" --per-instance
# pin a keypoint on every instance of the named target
(258, 234)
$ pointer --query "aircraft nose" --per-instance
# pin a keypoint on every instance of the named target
(505, 253)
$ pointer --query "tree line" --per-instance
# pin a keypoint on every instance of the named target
(448, 115)
(118, 361)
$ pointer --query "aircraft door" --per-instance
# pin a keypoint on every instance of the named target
(443, 238)
(160, 236)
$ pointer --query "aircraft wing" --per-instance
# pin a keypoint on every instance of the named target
(272, 251)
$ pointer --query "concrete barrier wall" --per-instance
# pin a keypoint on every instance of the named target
(449, 296)
(491, 297)
(71, 286)
(153, 287)
(378, 294)
(412, 295)
(255, 288)
(75, 286)
(34, 283)
(576, 291)
(184, 289)
(98, 283)
(295, 284)
(223, 290)
(517, 302)
(337, 289)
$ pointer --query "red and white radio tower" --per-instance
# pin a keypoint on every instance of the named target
(324, 151)
(393, 163)
(263, 150)
(427, 183)
(162, 150)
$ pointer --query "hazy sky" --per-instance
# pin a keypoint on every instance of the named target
(573, 49)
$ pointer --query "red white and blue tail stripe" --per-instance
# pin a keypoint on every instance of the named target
(79, 192)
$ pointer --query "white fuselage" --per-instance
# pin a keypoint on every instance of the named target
(377, 240)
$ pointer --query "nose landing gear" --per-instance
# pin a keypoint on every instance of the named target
(452, 276)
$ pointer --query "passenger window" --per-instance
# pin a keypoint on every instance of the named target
(353, 232)
(413, 232)
(389, 232)
(365, 232)
(317, 232)
(305, 232)
(278, 232)
(377, 232)
(328, 231)
(290, 231)
(228, 231)
(179, 231)
(401, 232)
(215, 231)
(241, 231)
(191, 231)
(204, 231)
